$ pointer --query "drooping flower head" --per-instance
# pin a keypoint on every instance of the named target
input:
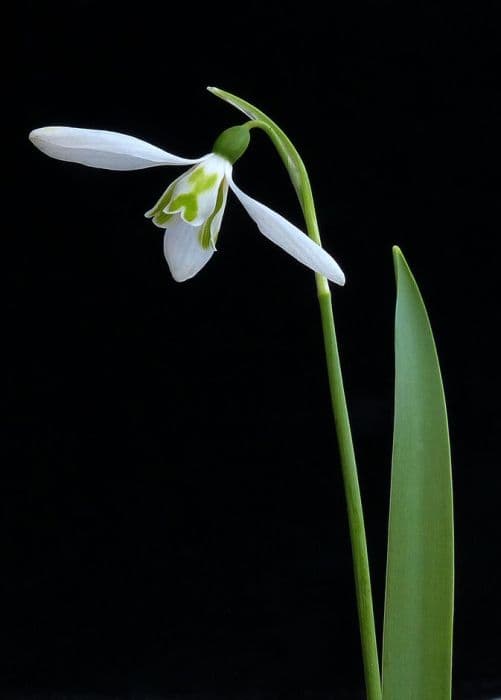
(192, 207)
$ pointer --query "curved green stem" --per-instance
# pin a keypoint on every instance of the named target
(353, 502)
(344, 438)
(350, 477)
(301, 182)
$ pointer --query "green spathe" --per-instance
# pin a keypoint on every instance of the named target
(232, 143)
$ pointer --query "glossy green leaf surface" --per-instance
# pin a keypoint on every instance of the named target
(417, 639)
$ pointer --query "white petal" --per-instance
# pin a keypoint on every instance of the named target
(290, 238)
(162, 203)
(102, 149)
(183, 251)
(218, 215)
(212, 168)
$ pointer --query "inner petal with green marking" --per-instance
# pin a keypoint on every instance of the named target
(158, 212)
(210, 229)
(188, 201)
(194, 196)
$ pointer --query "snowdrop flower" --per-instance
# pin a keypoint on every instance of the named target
(191, 209)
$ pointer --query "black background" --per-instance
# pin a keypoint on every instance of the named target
(173, 517)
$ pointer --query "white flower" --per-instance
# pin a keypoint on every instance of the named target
(192, 207)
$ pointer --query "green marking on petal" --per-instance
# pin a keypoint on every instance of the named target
(205, 240)
(161, 218)
(158, 209)
(201, 181)
(188, 201)
(205, 232)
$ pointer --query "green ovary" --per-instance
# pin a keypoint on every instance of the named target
(188, 201)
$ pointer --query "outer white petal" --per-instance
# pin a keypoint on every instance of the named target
(102, 149)
(289, 237)
(183, 251)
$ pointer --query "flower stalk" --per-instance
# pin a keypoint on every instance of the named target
(299, 177)
(349, 470)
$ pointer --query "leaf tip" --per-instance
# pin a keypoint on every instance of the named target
(398, 256)
(399, 261)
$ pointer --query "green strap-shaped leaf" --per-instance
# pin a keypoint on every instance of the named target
(417, 640)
